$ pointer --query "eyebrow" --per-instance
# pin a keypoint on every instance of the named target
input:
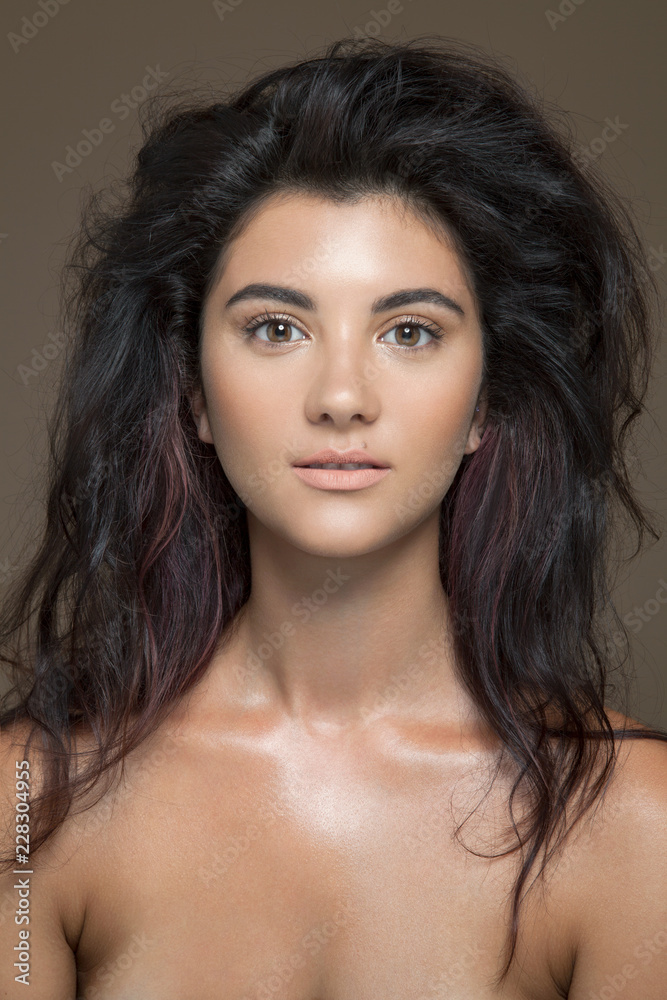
(292, 297)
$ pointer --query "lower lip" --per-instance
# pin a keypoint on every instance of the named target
(340, 479)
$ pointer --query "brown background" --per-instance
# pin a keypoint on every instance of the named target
(596, 60)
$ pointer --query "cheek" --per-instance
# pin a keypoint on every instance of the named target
(249, 418)
(229, 406)
(436, 416)
(433, 428)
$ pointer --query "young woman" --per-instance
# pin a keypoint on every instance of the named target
(310, 670)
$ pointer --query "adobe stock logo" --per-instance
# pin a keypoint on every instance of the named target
(40, 359)
(121, 106)
(30, 26)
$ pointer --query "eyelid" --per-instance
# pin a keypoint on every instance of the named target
(253, 323)
(434, 330)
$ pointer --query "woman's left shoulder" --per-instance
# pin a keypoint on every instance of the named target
(618, 895)
(630, 813)
(640, 776)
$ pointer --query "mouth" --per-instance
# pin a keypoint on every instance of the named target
(335, 465)
(340, 475)
(331, 458)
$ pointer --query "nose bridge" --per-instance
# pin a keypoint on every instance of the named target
(343, 350)
(345, 372)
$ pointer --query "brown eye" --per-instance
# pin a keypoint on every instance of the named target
(408, 331)
(408, 334)
(278, 332)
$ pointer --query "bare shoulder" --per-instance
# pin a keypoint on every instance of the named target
(43, 901)
(634, 804)
(639, 784)
(15, 756)
(34, 950)
(619, 894)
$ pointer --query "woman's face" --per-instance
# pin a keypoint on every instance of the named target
(328, 365)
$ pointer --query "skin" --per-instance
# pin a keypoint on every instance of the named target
(288, 831)
(344, 380)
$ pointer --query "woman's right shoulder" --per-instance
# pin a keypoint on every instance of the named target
(15, 760)
(21, 780)
(34, 946)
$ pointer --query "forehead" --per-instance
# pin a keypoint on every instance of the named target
(308, 235)
(306, 211)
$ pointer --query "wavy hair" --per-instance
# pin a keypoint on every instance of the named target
(144, 534)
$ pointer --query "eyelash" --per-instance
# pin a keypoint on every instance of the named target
(266, 317)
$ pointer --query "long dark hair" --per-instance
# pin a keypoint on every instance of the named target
(144, 534)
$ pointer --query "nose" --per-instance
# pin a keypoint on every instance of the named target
(345, 386)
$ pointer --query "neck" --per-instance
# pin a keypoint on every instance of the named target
(333, 642)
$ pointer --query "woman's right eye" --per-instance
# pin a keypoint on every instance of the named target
(278, 331)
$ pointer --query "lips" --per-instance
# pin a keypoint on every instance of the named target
(333, 480)
(340, 459)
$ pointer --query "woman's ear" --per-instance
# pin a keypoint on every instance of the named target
(477, 425)
(198, 405)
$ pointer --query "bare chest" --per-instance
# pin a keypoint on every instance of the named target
(246, 876)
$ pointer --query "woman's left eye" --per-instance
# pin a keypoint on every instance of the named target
(412, 331)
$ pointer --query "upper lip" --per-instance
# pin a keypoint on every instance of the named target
(330, 455)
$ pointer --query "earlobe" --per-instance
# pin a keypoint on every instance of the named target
(200, 416)
(476, 428)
